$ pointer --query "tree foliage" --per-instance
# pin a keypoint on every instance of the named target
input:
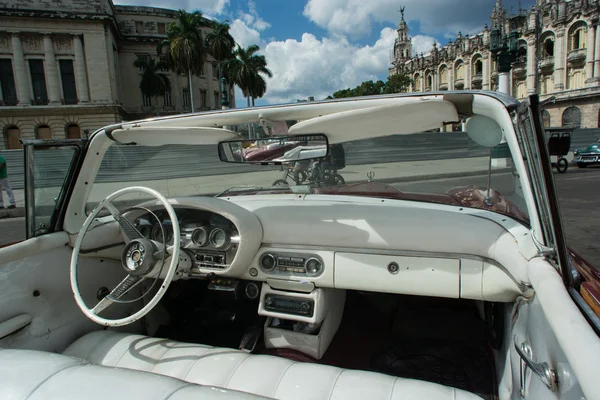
(395, 84)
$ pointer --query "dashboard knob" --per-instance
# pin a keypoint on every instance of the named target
(268, 261)
(313, 266)
(305, 305)
(269, 301)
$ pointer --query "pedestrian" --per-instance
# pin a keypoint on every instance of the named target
(5, 184)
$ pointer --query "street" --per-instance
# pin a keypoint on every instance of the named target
(578, 193)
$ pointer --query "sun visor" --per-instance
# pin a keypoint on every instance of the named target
(392, 119)
(147, 136)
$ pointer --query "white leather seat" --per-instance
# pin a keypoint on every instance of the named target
(263, 375)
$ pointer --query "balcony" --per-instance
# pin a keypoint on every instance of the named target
(494, 74)
(577, 57)
(40, 101)
(547, 64)
(459, 84)
(519, 68)
(69, 101)
(428, 89)
(444, 86)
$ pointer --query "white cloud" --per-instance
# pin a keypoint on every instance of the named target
(209, 7)
(355, 17)
(423, 44)
(243, 34)
(313, 67)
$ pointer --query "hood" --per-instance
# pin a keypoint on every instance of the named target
(592, 148)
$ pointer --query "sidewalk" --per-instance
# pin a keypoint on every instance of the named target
(385, 172)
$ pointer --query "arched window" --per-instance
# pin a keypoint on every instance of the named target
(571, 117)
(443, 75)
(12, 134)
(43, 132)
(73, 131)
(478, 67)
(417, 86)
(460, 71)
(577, 36)
(546, 118)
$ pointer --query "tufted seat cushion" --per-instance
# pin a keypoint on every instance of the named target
(263, 375)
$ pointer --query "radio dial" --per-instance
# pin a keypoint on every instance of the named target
(269, 301)
(305, 305)
(313, 266)
(268, 261)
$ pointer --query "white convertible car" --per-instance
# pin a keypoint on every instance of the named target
(437, 271)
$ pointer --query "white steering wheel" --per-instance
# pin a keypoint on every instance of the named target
(141, 259)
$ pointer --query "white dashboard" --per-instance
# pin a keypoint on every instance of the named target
(316, 241)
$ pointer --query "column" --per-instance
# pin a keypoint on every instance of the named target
(486, 71)
(531, 65)
(597, 54)
(80, 73)
(468, 77)
(560, 59)
(51, 71)
(504, 83)
(590, 45)
(21, 76)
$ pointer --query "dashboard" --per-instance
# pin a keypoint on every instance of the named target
(303, 243)
(210, 239)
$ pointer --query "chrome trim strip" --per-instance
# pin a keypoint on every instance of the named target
(523, 286)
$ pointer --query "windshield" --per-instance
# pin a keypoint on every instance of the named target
(437, 167)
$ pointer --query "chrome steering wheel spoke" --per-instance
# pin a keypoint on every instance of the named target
(119, 291)
(126, 226)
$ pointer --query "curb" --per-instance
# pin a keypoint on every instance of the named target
(12, 213)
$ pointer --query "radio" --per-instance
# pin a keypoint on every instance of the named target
(289, 305)
(296, 264)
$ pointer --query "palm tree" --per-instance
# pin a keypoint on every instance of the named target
(187, 51)
(246, 71)
(220, 43)
(153, 83)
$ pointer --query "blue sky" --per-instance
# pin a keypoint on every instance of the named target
(315, 47)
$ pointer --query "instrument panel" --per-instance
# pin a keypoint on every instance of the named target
(210, 239)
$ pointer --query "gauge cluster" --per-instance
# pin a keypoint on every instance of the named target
(210, 239)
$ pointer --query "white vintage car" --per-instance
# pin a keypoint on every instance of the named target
(435, 272)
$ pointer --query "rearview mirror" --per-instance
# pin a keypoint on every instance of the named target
(281, 149)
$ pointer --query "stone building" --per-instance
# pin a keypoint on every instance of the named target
(67, 68)
(558, 57)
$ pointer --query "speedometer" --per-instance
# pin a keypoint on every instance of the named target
(200, 236)
(219, 238)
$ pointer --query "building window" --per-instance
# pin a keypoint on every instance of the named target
(577, 37)
(143, 59)
(202, 70)
(186, 97)
(571, 118)
(547, 84)
(478, 67)
(216, 98)
(73, 131)
(548, 49)
(460, 71)
(38, 81)
(161, 28)
(167, 99)
(7, 83)
(215, 70)
(146, 100)
(202, 98)
(43, 132)
(139, 27)
(164, 66)
(12, 134)
(546, 118)
(520, 90)
(67, 77)
(576, 78)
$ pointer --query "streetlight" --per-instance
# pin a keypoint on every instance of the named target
(504, 51)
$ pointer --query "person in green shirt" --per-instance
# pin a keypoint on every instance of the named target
(5, 184)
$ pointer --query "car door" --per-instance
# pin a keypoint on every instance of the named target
(37, 309)
(553, 343)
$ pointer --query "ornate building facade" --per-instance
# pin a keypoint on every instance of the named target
(558, 57)
(67, 68)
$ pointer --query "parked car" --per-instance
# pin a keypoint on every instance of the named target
(396, 284)
(588, 155)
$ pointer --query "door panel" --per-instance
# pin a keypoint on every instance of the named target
(557, 333)
(35, 281)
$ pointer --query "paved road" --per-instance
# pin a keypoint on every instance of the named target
(578, 192)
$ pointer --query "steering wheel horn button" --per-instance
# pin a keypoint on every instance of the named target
(137, 257)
